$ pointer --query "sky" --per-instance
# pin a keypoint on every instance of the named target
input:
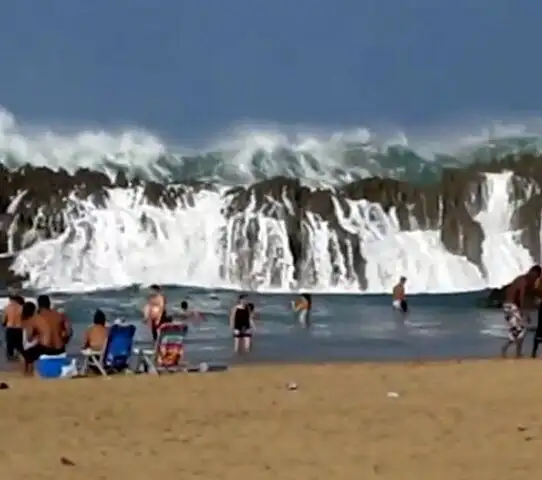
(187, 68)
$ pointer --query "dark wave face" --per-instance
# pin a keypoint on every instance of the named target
(350, 213)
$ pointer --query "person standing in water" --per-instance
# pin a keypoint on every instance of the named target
(302, 307)
(189, 314)
(241, 323)
(154, 312)
(515, 318)
(399, 302)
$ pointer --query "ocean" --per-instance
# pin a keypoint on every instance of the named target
(230, 230)
(344, 327)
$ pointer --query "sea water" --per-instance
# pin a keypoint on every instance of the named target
(344, 327)
(105, 248)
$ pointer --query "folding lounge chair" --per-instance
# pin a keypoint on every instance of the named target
(168, 352)
(115, 355)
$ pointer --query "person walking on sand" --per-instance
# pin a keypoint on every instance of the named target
(242, 325)
(302, 307)
(12, 323)
(399, 302)
(514, 316)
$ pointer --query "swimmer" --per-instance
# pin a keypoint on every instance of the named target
(399, 302)
(187, 314)
(302, 306)
(242, 324)
(154, 312)
(514, 315)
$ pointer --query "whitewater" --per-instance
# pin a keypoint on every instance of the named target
(107, 247)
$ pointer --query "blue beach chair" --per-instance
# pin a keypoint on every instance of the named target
(115, 355)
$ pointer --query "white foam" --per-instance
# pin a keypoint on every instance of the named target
(391, 253)
(249, 153)
(109, 247)
(503, 256)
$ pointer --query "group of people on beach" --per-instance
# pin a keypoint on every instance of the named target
(514, 307)
(34, 330)
(241, 318)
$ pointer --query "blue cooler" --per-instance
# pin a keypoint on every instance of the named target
(52, 366)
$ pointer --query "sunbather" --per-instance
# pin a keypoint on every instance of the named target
(96, 334)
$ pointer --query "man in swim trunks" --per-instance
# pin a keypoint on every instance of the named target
(13, 329)
(399, 302)
(154, 312)
(48, 330)
(241, 323)
(514, 297)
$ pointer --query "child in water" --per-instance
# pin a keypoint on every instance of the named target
(302, 306)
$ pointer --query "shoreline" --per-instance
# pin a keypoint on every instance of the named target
(13, 370)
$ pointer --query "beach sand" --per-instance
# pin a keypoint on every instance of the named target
(469, 420)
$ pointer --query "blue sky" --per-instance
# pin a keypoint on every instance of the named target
(188, 68)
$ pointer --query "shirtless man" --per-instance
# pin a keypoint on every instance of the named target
(48, 332)
(154, 312)
(13, 331)
(512, 306)
(96, 335)
(399, 302)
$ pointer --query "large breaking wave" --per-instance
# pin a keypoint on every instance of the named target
(207, 234)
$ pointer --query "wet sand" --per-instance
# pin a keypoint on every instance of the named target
(469, 420)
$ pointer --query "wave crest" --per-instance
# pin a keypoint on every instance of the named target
(247, 155)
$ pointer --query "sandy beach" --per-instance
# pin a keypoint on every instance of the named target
(469, 420)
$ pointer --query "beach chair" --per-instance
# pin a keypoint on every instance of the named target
(167, 355)
(115, 355)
